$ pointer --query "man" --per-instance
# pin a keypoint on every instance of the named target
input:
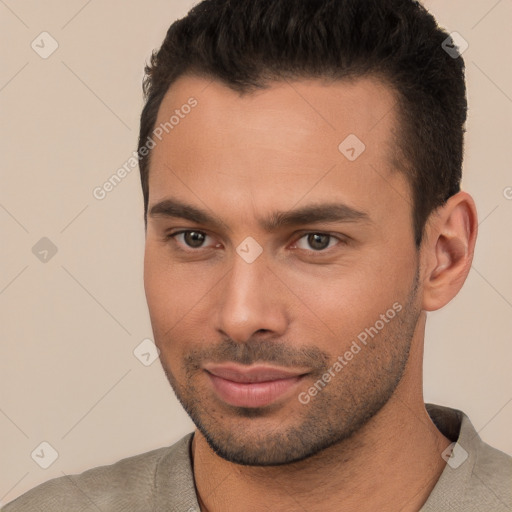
(301, 165)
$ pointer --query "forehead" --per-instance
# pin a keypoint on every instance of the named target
(363, 106)
(291, 141)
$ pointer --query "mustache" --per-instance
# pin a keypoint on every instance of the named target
(257, 351)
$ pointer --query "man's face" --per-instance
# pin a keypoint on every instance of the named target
(257, 345)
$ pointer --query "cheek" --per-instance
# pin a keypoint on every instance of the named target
(176, 297)
(343, 305)
(154, 285)
(166, 294)
(161, 293)
(164, 279)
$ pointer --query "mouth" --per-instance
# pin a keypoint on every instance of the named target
(253, 386)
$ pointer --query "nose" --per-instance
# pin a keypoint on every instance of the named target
(251, 302)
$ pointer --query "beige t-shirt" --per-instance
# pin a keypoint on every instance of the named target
(477, 478)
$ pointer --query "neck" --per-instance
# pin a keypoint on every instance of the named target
(390, 464)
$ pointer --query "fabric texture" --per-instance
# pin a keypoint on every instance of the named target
(477, 478)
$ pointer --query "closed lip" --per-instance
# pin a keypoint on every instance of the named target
(251, 374)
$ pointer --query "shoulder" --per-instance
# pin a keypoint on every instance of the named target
(127, 485)
(477, 477)
(491, 477)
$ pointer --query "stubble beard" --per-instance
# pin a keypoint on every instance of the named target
(270, 436)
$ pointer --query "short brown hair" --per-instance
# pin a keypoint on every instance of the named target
(247, 43)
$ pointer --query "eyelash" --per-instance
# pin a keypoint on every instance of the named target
(321, 252)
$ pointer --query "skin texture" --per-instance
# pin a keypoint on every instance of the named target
(365, 439)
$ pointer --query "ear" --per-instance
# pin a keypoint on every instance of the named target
(448, 250)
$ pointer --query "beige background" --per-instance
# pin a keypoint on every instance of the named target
(69, 326)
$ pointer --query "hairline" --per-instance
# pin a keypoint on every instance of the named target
(396, 159)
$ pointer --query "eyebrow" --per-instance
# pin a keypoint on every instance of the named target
(325, 212)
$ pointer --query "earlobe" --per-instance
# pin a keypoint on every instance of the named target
(449, 250)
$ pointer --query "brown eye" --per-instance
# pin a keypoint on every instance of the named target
(191, 239)
(318, 241)
(194, 238)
